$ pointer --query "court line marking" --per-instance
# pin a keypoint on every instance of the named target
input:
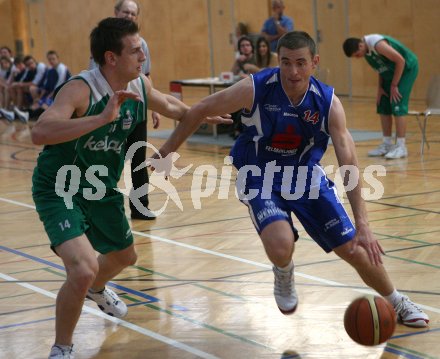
(267, 266)
(16, 203)
(239, 259)
(15, 325)
(402, 354)
(141, 294)
(118, 321)
(60, 267)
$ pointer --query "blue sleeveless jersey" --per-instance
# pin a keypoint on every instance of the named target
(276, 130)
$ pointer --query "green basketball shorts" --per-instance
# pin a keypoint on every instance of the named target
(102, 221)
(406, 83)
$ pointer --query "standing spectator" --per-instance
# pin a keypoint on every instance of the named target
(277, 25)
(398, 68)
(129, 9)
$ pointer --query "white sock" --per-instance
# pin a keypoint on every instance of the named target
(96, 291)
(287, 268)
(388, 140)
(401, 141)
(394, 298)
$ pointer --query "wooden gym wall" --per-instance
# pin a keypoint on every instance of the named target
(413, 22)
(178, 37)
(6, 31)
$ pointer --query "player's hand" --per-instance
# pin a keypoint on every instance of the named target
(161, 164)
(380, 92)
(216, 120)
(111, 110)
(241, 58)
(155, 116)
(365, 238)
(395, 95)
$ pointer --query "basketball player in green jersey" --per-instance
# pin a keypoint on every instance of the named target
(398, 68)
(74, 182)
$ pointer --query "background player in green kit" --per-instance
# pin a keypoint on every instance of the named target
(84, 133)
(398, 68)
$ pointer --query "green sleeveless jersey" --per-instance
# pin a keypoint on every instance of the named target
(383, 65)
(103, 147)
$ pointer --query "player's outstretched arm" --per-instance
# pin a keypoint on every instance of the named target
(232, 99)
(171, 107)
(56, 124)
(346, 154)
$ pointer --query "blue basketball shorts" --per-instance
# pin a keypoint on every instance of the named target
(323, 218)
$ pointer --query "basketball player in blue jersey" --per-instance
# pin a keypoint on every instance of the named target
(288, 118)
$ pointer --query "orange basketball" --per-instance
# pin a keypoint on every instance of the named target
(370, 320)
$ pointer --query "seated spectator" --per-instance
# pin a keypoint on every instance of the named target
(19, 71)
(20, 94)
(246, 48)
(5, 73)
(57, 74)
(18, 74)
(26, 72)
(6, 51)
(263, 57)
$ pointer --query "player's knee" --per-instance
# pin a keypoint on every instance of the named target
(83, 275)
(355, 258)
(280, 248)
(131, 260)
(127, 258)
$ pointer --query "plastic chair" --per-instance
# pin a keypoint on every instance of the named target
(432, 108)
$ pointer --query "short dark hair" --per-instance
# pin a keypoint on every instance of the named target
(242, 27)
(27, 58)
(245, 38)
(351, 45)
(18, 60)
(107, 36)
(6, 58)
(52, 52)
(297, 40)
(7, 49)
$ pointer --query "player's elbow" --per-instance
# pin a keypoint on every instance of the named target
(38, 135)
